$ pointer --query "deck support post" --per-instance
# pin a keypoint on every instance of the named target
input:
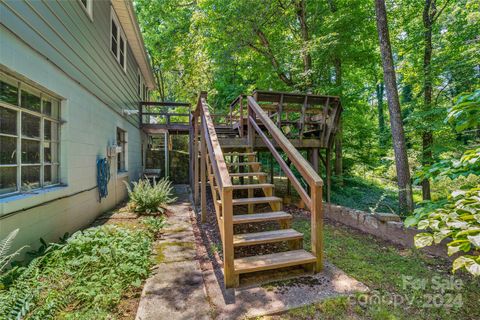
(328, 171)
(167, 160)
(203, 172)
(231, 280)
(317, 225)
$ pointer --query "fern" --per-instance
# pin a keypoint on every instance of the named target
(5, 245)
(148, 198)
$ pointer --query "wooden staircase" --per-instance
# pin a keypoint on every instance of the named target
(241, 193)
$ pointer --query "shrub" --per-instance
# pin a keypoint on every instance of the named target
(148, 198)
(87, 275)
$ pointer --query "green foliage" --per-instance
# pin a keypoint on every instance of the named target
(5, 246)
(154, 224)
(459, 219)
(86, 275)
(465, 113)
(148, 198)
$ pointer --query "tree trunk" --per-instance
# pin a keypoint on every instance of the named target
(398, 134)
(429, 11)
(381, 116)
(339, 136)
(307, 59)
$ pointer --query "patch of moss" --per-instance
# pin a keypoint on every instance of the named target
(159, 247)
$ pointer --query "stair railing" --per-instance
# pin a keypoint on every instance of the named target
(212, 160)
(312, 199)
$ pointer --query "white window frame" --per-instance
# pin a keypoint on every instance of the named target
(120, 36)
(88, 9)
(122, 151)
(55, 151)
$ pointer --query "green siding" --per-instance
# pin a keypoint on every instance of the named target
(63, 33)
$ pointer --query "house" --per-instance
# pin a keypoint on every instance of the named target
(68, 72)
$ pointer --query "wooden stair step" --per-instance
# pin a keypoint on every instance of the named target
(273, 261)
(251, 186)
(248, 239)
(247, 174)
(238, 164)
(257, 200)
(239, 154)
(261, 217)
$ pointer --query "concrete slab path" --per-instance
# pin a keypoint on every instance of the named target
(176, 288)
(188, 280)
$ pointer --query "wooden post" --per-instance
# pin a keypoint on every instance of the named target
(241, 117)
(315, 160)
(203, 171)
(231, 280)
(167, 160)
(328, 171)
(195, 159)
(250, 130)
(271, 168)
(317, 225)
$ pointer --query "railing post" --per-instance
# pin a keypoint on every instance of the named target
(241, 116)
(231, 280)
(317, 225)
(203, 169)
(250, 130)
(195, 159)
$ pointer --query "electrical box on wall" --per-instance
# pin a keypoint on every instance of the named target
(112, 151)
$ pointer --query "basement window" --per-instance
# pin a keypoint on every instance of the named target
(118, 43)
(29, 137)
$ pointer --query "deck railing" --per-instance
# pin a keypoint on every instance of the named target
(312, 199)
(212, 162)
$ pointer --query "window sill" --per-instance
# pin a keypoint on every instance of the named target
(24, 200)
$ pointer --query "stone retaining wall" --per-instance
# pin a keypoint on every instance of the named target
(383, 225)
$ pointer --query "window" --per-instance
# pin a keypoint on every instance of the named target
(122, 152)
(87, 5)
(29, 137)
(118, 44)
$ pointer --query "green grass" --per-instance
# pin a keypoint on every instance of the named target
(385, 269)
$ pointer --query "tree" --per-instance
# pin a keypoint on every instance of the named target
(430, 15)
(398, 134)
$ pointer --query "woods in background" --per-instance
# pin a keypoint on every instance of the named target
(332, 47)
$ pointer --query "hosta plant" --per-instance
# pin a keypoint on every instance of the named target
(459, 220)
(150, 198)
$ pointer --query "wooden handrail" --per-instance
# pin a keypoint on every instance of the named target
(288, 172)
(302, 165)
(215, 152)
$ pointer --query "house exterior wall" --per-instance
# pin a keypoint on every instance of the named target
(56, 46)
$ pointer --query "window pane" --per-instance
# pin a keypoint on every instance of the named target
(47, 107)
(114, 38)
(47, 174)
(8, 150)
(30, 101)
(47, 152)
(30, 126)
(8, 179)
(30, 151)
(8, 93)
(47, 130)
(30, 177)
(8, 121)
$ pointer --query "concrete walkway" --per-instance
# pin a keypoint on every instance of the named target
(187, 282)
(176, 289)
